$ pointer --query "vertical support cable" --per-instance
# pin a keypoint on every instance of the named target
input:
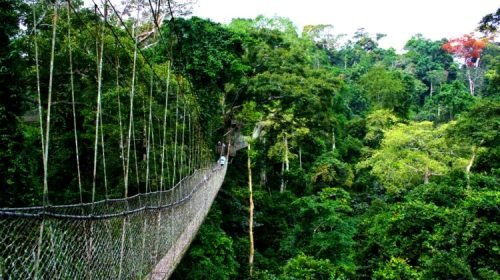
(175, 139)
(163, 155)
(100, 105)
(40, 234)
(198, 149)
(72, 83)
(104, 158)
(190, 146)
(40, 112)
(131, 115)
(149, 131)
(137, 178)
(183, 149)
(154, 152)
(49, 105)
(100, 50)
(154, 149)
(122, 152)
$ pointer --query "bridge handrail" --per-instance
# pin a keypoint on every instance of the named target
(92, 208)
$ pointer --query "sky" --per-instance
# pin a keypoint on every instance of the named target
(398, 19)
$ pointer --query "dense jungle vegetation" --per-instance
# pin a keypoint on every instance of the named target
(366, 163)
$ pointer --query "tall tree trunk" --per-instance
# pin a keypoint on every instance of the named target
(427, 174)
(285, 166)
(300, 157)
(471, 163)
(282, 187)
(250, 212)
(263, 177)
(431, 89)
(469, 166)
(334, 146)
(471, 81)
(287, 161)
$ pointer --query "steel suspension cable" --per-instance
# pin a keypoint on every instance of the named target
(155, 163)
(47, 135)
(148, 140)
(49, 105)
(132, 36)
(100, 50)
(136, 164)
(190, 147)
(104, 159)
(175, 139)
(183, 149)
(164, 143)
(38, 89)
(72, 84)
(122, 152)
(131, 114)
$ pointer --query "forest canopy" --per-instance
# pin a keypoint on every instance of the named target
(365, 163)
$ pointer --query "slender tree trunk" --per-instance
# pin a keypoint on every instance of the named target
(285, 165)
(471, 81)
(471, 163)
(282, 187)
(287, 162)
(431, 89)
(333, 140)
(300, 157)
(263, 177)
(427, 174)
(469, 166)
(250, 212)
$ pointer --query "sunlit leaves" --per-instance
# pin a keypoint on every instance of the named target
(410, 154)
(329, 170)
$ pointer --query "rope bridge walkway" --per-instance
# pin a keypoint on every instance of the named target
(145, 135)
(141, 237)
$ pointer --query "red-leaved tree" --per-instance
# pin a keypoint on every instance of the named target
(468, 49)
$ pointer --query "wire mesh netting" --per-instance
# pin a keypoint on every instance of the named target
(140, 237)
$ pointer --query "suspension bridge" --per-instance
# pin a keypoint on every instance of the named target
(144, 127)
(140, 237)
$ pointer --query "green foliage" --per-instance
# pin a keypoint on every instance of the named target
(452, 100)
(478, 130)
(328, 170)
(323, 229)
(377, 122)
(209, 55)
(410, 155)
(490, 62)
(371, 145)
(15, 164)
(213, 255)
(428, 61)
(480, 124)
(439, 231)
(397, 269)
(388, 89)
(308, 268)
